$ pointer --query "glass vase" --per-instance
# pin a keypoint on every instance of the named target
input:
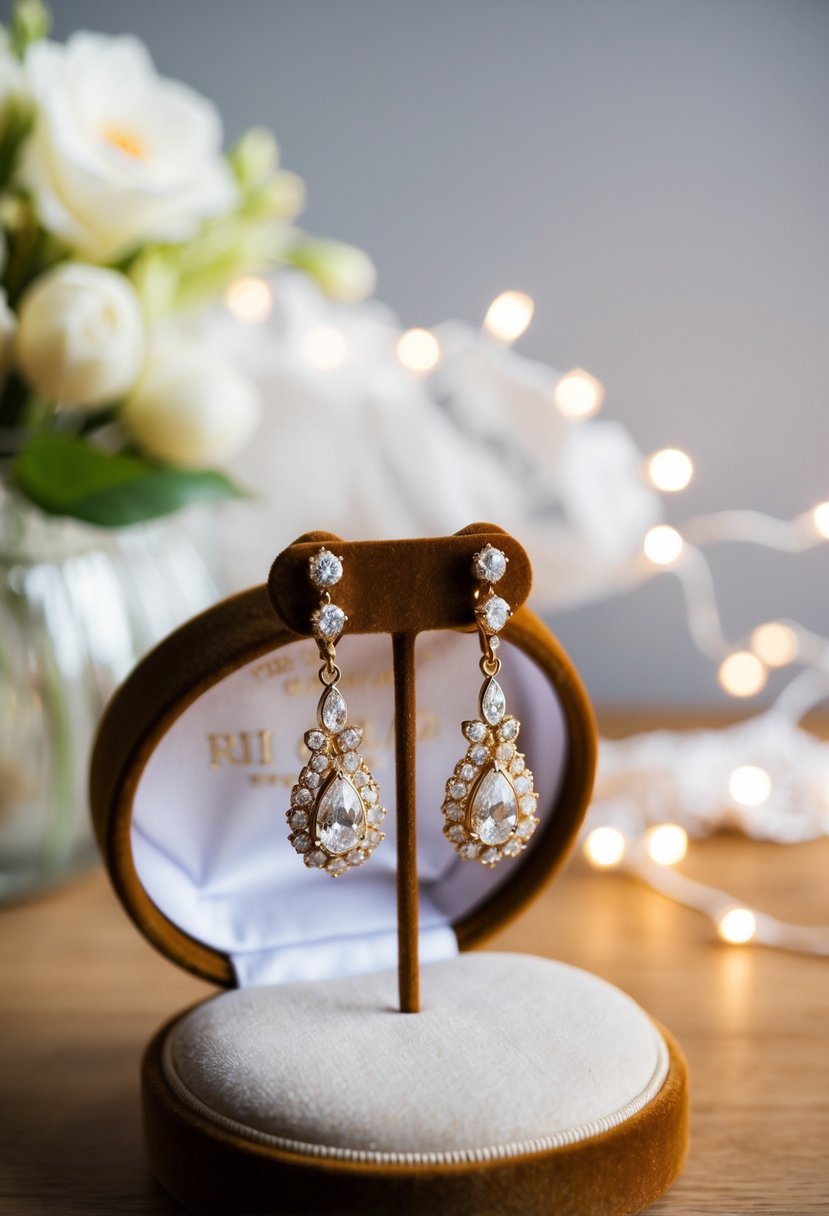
(78, 607)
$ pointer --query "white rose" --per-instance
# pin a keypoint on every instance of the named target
(191, 407)
(80, 337)
(119, 155)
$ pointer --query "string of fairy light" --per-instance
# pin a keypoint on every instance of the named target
(653, 852)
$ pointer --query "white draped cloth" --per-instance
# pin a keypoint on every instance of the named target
(370, 449)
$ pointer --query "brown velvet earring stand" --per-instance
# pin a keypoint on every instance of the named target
(383, 593)
(401, 588)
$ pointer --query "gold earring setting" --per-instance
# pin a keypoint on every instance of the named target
(335, 814)
(490, 804)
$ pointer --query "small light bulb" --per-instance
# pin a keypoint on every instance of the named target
(509, 315)
(578, 394)
(742, 674)
(667, 843)
(663, 545)
(776, 644)
(670, 470)
(418, 350)
(605, 847)
(249, 299)
(737, 925)
(820, 515)
(324, 348)
(749, 785)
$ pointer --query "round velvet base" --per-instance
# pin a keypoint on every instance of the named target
(524, 1086)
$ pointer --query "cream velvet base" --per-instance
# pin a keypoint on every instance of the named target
(511, 1055)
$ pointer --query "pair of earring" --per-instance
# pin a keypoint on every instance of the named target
(336, 815)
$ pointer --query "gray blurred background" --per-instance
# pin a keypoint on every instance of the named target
(654, 173)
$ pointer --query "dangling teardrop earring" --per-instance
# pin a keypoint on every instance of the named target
(490, 804)
(335, 813)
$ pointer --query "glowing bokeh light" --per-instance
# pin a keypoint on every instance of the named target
(324, 348)
(418, 350)
(667, 843)
(742, 674)
(737, 925)
(663, 545)
(749, 785)
(249, 299)
(670, 470)
(509, 315)
(578, 394)
(820, 515)
(605, 847)
(776, 644)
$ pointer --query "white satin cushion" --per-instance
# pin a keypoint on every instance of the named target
(510, 1054)
(210, 841)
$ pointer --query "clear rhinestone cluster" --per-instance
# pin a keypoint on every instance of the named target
(328, 622)
(489, 811)
(335, 816)
(489, 565)
(492, 612)
(325, 570)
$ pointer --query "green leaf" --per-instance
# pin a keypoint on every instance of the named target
(66, 476)
(31, 250)
(16, 122)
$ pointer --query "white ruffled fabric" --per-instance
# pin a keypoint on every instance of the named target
(371, 450)
(684, 777)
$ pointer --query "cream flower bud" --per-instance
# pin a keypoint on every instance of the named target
(343, 271)
(80, 337)
(255, 157)
(191, 408)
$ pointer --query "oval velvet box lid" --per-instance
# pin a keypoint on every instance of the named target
(143, 766)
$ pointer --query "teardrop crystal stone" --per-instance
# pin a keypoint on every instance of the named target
(494, 808)
(341, 818)
(493, 703)
(332, 711)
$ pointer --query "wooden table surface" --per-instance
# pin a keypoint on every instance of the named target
(83, 992)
